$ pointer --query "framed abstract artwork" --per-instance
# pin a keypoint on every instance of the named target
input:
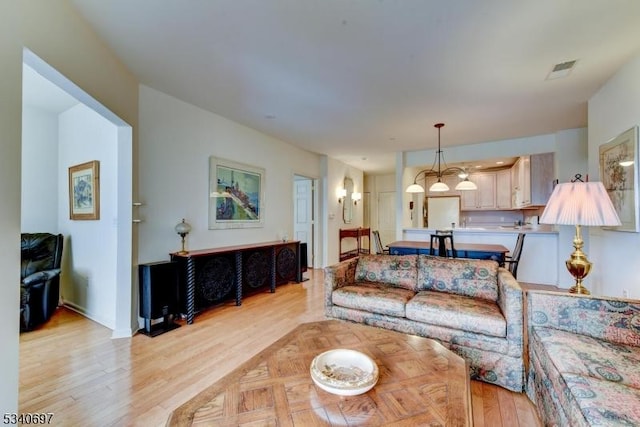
(619, 175)
(84, 191)
(236, 194)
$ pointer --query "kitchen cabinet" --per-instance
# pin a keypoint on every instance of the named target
(485, 196)
(503, 189)
(533, 180)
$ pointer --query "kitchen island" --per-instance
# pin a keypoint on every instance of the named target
(539, 262)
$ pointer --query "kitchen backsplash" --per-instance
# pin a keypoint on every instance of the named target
(484, 218)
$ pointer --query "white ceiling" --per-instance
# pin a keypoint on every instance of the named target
(358, 79)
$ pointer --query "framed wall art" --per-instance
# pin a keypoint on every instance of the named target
(619, 175)
(236, 194)
(84, 191)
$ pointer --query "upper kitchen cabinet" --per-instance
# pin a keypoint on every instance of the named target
(532, 180)
(485, 196)
(503, 189)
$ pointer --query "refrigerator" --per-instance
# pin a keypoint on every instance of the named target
(442, 212)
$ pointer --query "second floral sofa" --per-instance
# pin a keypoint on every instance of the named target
(584, 358)
(473, 307)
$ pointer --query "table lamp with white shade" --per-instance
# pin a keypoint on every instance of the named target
(580, 204)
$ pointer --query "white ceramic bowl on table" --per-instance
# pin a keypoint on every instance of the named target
(344, 372)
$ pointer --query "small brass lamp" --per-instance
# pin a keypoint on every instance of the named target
(580, 204)
(183, 228)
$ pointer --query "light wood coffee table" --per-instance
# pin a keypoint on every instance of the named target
(420, 383)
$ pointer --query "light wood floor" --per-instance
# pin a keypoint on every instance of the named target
(72, 368)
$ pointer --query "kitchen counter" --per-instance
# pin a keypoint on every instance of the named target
(539, 261)
(542, 229)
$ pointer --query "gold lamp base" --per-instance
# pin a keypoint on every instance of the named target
(578, 264)
(184, 251)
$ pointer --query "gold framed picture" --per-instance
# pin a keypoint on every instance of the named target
(619, 175)
(84, 191)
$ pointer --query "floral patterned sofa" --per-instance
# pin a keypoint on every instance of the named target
(584, 359)
(473, 307)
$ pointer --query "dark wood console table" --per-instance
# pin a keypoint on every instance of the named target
(211, 276)
(358, 234)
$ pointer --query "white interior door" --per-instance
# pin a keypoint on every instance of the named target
(387, 216)
(303, 214)
(366, 206)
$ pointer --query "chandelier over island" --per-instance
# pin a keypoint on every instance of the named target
(440, 186)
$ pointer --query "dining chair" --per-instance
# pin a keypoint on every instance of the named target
(513, 260)
(380, 249)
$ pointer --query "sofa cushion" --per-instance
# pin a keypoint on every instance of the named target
(589, 385)
(589, 357)
(373, 297)
(601, 402)
(469, 277)
(457, 312)
(397, 270)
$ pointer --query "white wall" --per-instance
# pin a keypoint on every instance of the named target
(336, 172)
(176, 141)
(10, 155)
(89, 282)
(88, 279)
(615, 256)
(40, 171)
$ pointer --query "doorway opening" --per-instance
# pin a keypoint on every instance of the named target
(79, 129)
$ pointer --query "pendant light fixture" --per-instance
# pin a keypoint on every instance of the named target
(439, 186)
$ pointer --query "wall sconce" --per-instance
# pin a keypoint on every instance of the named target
(356, 197)
(342, 193)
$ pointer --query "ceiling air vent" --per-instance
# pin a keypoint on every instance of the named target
(561, 70)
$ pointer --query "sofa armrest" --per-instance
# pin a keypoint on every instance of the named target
(336, 276)
(611, 319)
(511, 303)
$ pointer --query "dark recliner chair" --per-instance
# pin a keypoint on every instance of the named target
(41, 254)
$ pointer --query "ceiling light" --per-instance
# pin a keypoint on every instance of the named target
(626, 163)
(466, 185)
(415, 188)
(440, 186)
